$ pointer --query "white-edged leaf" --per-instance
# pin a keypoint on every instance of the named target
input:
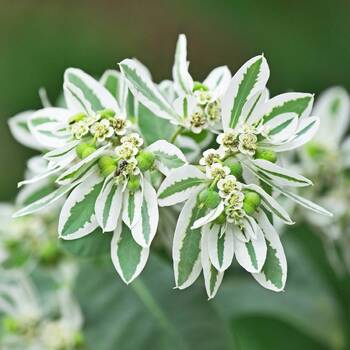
(108, 205)
(282, 127)
(221, 246)
(182, 78)
(93, 92)
(77, 217)
(128, 257)
(180, 184)
(218, 81)
(271, 204)
(291, 102)
(274, 272)
(146, 91)
(146, 228)
(212, 277)
(168, 156)
(19, 128)
(187, 244)
(251, 255)
(249, 79)
(131, 212)
(253, 108)
(279, 175)
(211, 216)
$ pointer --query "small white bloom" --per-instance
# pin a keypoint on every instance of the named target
(217, 170)
(247, 143)
(197, 121)
(79, 129)
(120, 125)
(126, 151)
(228, 141)
(228, 185)
(235, 216)
(102, 130)
(211, 156)
(235, 200)
(213, 112)
(203, 97)
(92, 119)
(133, 138)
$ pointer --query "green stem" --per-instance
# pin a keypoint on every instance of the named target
(177, 132)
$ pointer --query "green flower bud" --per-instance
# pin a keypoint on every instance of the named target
(252, 198)
(83, 150)
(145, 160)
(133, 183)
(248, 208)
(268, 155)
(76, 118)
(107, 113)
(10, 324)
(107, 165)
(235, 166)
(221, 219)
(49, 253)
(209, 198)
(199, 86)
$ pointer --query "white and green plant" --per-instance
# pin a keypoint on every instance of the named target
(113, 155)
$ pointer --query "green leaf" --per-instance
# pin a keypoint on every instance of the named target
(180, 186)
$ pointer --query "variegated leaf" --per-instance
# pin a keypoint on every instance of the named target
(128, 257)
(131, 213)
(218, 81)
(180, 184)
(249, 79)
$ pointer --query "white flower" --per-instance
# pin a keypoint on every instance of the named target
(213, 112)
(126, 151)
(102, 130)
(228, 185)
(247, 143)
(228, 141)
(133, 138)
(211, 156)
(203, 97)
(120, 125)
(217, 170)
(91, 119)
(196, 121)
(234, 216)
(79, 129)
(235, 199)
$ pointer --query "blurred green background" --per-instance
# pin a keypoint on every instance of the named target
(308, 48)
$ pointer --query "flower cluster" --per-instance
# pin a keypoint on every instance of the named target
(110, 164)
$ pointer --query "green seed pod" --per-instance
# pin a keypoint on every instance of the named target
(248, 208)
(49, 253)
(10, 324)
(268, 155)
(107, 165)
(235, 166)
(199, 86)
(133, 183)
(221, 219)
(78, 339)
(252, 198)
(145, 160)
(107, 113)
(315, 151)
(209, 198)
(76, 118)
(87, 151)
(80, 149)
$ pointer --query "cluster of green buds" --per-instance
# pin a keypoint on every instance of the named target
(103, 126)
(128, 162)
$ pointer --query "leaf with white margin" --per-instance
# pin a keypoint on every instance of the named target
(333, 108)
(80, 168)
(182, 78)
(294, 197)
(306, 130)
(34, 192)
(279, 175)
(128, 257)
(180, 184)
(18, 125)
(282, 127)
(218, 81)
(115, 83)
(211, 216)
(47, 125)
(270, 204)
(249, 79)
(96, 94)
(145, 229)
(221, 246)
(143, 88)
(273, 275)
(57, 153)
(108, 205)
(251, 255)
(168, 156)
(187, 244)
(253, 108)
(212, 277)
(131, 212)
(77, 218)
(291, 102)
